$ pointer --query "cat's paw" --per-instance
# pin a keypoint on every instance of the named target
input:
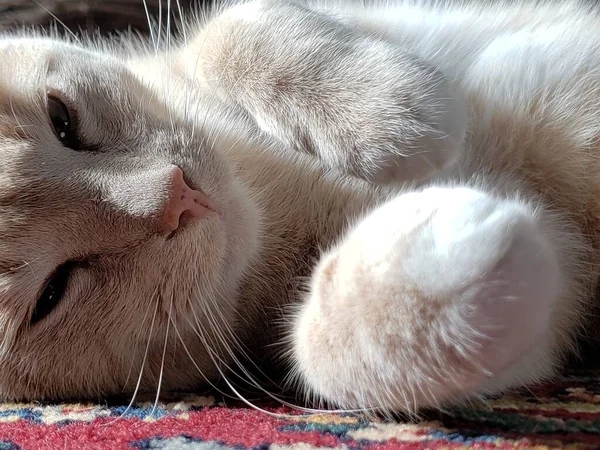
(434, 296)
(322, 86)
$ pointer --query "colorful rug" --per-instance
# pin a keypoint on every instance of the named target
(564, 414)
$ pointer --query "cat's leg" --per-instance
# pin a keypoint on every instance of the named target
(435, 296)
(356, 101)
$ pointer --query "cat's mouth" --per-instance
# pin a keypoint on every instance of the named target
(175, 233)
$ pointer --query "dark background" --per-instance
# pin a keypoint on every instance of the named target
(88, 15)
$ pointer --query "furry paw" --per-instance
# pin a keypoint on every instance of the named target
(321, 86)
(433, 297)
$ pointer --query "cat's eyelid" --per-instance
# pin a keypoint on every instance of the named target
(67, 269)
(46, 300)
(71, 137)
(66, 100)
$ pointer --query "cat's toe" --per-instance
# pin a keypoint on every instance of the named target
(433, 297)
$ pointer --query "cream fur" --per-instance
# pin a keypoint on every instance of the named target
(431, 170)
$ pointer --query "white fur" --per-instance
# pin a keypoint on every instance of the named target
(443, 159)
(435, 294)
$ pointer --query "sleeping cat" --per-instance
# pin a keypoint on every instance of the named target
(411, 189)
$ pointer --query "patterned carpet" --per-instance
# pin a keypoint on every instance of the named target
(564, 414)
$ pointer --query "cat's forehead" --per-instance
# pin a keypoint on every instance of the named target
(37, 65)
(51, 55)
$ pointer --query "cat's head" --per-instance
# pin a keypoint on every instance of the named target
(99, 257)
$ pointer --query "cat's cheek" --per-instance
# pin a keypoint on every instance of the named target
(435, 296)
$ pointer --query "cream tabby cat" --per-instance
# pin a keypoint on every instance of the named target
(432, 171)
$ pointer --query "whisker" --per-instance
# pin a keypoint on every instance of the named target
(15, 116)
(208, 381)
(162, 361)
(149, 22)
(159, 32)
(247, 376)
(26, 264)
(133, 357)
(59, 21)
(183, 46)
(139, 380)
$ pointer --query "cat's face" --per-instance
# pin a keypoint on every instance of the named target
(90, 216)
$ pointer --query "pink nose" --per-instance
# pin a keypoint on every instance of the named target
(184, 205)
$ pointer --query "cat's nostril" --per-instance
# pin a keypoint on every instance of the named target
(184, 203)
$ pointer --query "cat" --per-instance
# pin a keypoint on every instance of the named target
(399, 199)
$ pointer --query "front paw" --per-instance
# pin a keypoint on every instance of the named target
(435, 296)
(319, 85)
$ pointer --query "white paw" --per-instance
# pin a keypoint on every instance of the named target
(429, 299)
(363, 107)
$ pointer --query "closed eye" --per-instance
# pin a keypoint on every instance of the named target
(53, 292)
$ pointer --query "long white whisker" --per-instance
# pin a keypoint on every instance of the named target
(139, 380)
(59, 21)
(133, 357)
(159, 32)
(149, 23)
(249, 377)
(208, 381)
(162, 361)
(183, 46)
